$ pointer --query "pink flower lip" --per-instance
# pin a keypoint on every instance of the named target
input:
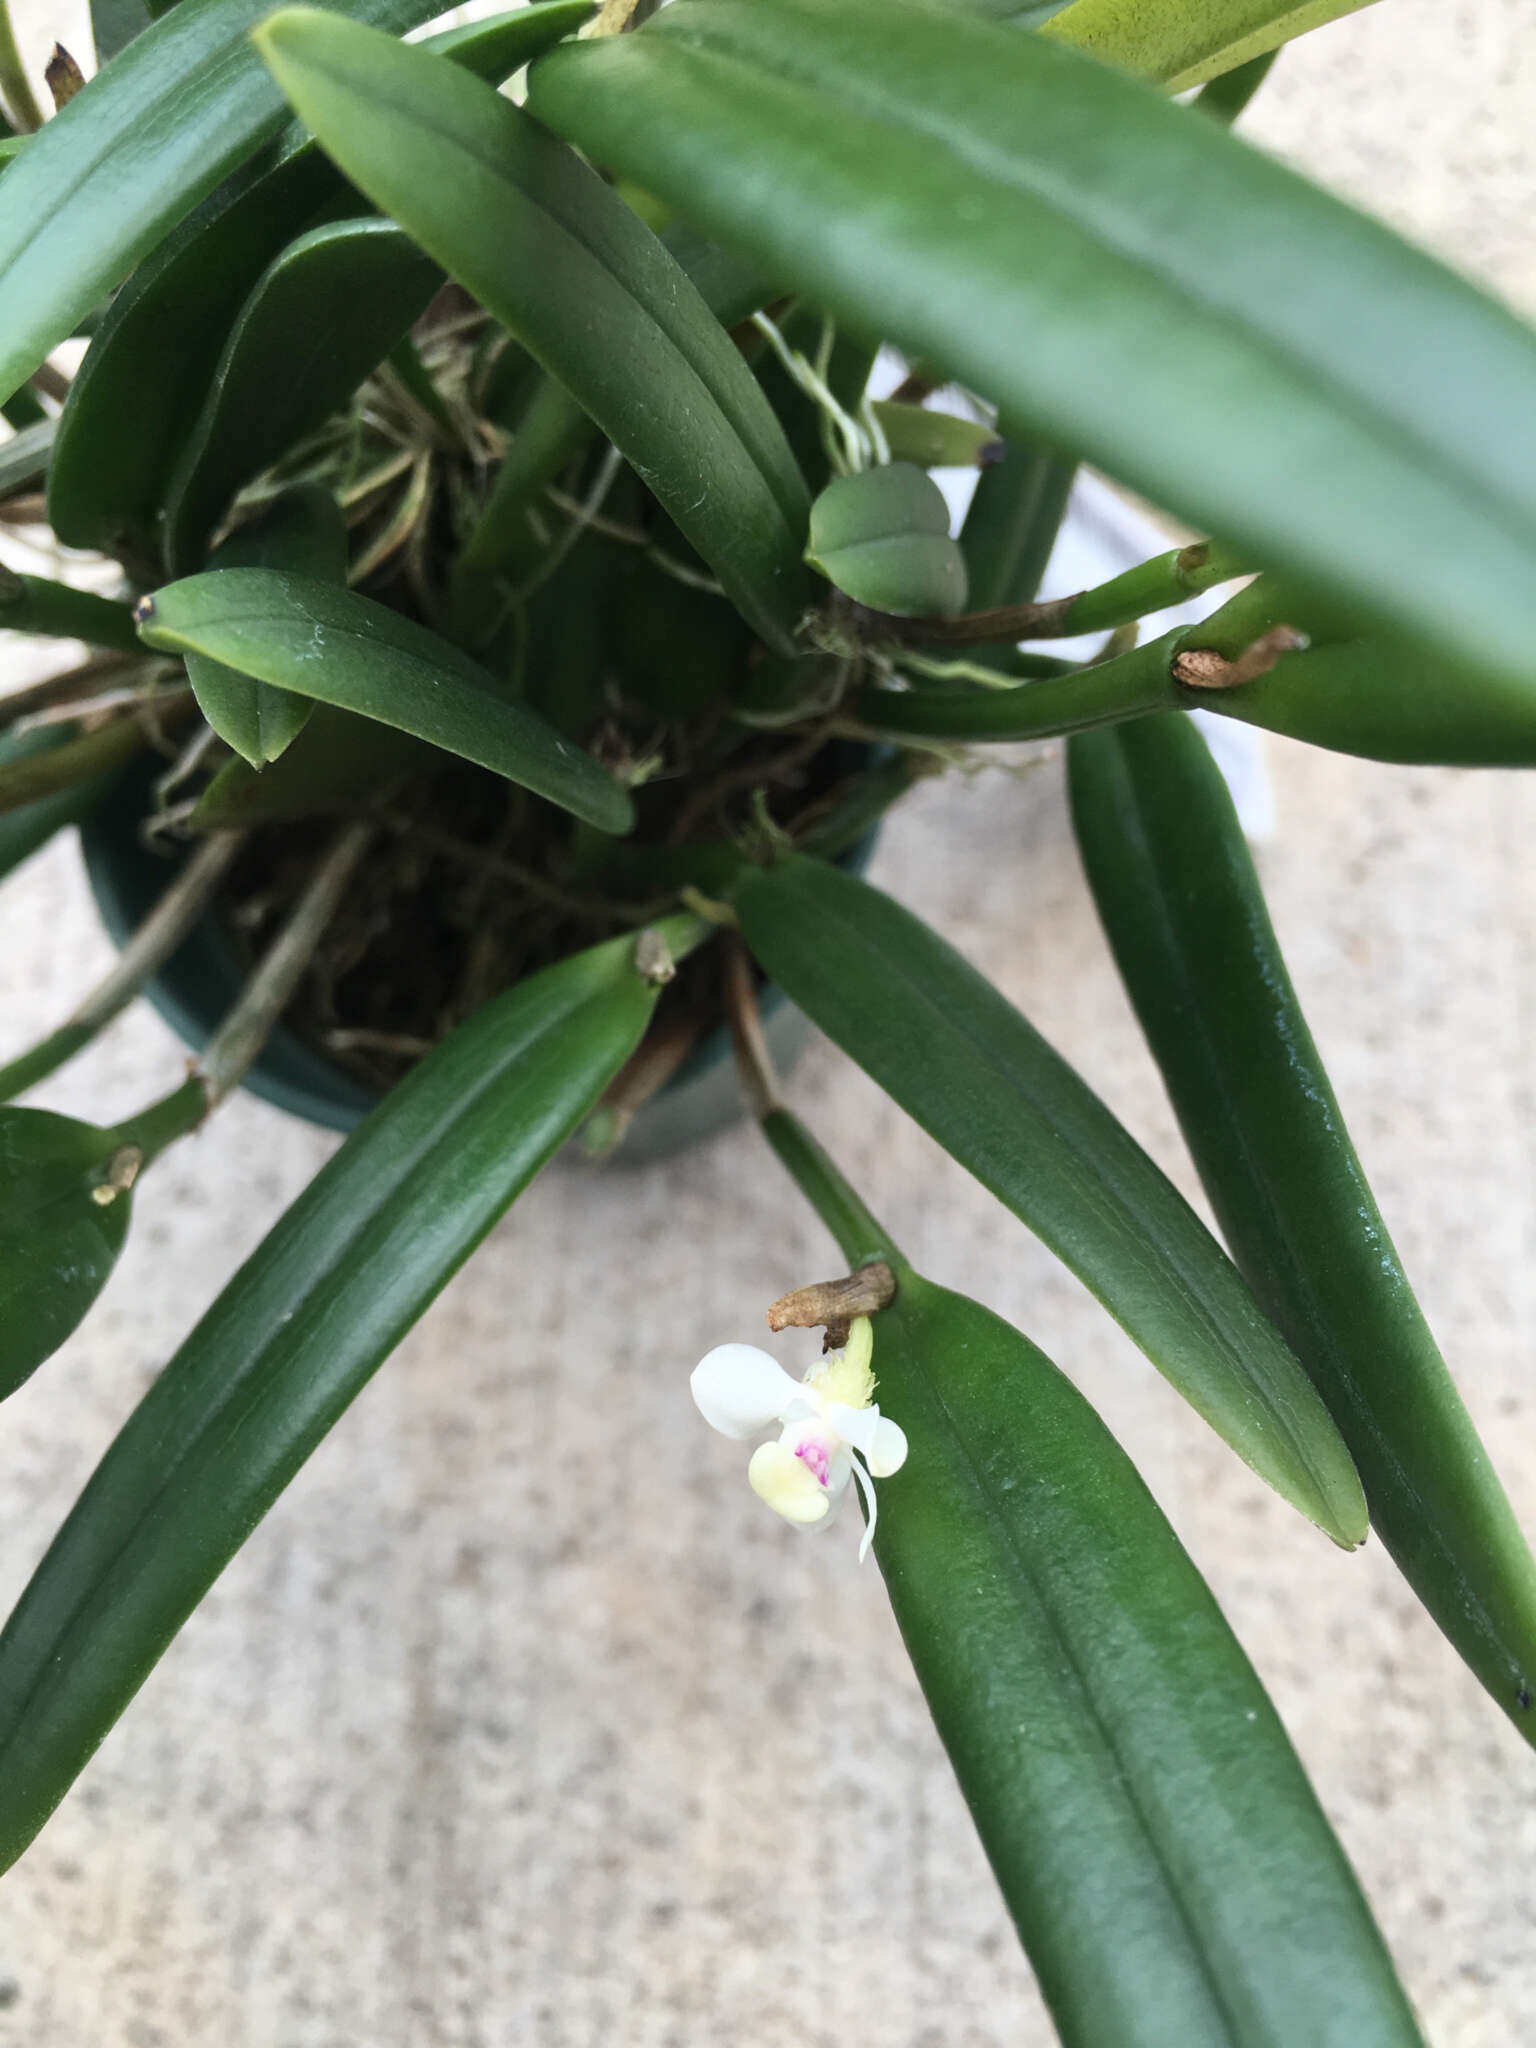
(812, 1453)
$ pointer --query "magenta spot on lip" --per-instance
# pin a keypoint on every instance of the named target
(812, 1453)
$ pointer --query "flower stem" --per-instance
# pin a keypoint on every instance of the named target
(15, 86)
(859, 1236)
(151, 945)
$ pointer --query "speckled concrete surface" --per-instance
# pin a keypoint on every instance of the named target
(519, 1720)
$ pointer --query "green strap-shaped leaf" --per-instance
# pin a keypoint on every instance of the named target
(302, 531)
(293, 1338)
(114, 24)
(148, 369)
(1154, 1836)
(298, 633)
(1123, 281)
(982, 1081)
(1173, 1878)
(1181, 904)
(1180, 43)
(559, 259)
(24, 458)
(62, 1225)
(131, 154)
(326, 314)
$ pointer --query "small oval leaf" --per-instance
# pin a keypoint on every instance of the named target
(302, 531)
(298, 633)
(882, 537)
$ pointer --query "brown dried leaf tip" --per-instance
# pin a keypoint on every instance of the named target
(64, 77)
(1202, 668)
(835, 1303)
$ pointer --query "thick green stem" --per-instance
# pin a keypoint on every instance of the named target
(149, 948)
(36, 604)
(1152, 587)
(1128, 686)
(859, 1236)
(15, 86)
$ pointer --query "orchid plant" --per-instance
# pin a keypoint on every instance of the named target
(513, 586)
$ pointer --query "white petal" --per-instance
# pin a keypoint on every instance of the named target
(887, 1451)
(787, 1484)
(741, 1390)
(881, 1442)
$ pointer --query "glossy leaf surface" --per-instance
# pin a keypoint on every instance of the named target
(325, 314)
(1121, 280)
(975, 1074)
(115, 23)
(58, 1241)
(1176, 888)
(1180, 43)
(559, 258)
(151, 134)
(1172, 1876)
(302, 532)
(298, 633)
(147, 371)
(283, 1351)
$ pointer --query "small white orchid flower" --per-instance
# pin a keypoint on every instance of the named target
(832, 1428)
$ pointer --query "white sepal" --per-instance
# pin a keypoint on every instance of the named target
(741, 1390)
